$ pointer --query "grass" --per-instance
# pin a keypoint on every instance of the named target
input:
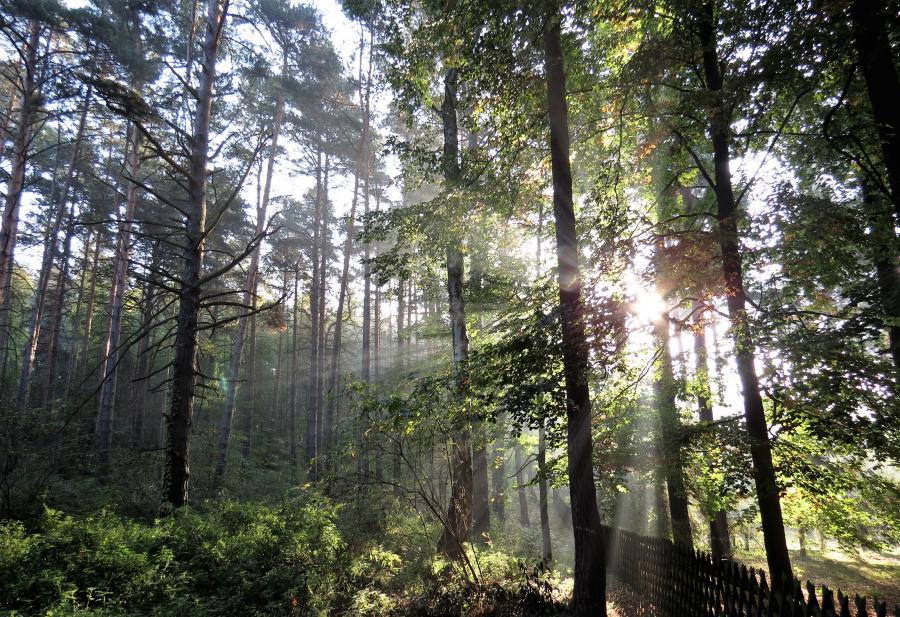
(873, 575)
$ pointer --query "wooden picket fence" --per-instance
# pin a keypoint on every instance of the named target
(682, 583)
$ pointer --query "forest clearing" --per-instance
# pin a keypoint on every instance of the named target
(450, 308)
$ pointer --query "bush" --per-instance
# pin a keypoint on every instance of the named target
(233, 559)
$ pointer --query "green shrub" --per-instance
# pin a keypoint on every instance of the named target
(232, 559)
(372, 603)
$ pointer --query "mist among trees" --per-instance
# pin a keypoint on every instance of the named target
(386, 307)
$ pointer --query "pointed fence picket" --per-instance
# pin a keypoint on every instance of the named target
(682, 583)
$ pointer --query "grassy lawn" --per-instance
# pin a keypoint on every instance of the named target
(874, 575)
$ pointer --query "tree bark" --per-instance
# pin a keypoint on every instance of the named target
(589, 593)
(498, 478)
(670, 438)
(324, 253)
(366, 329)
(292, 391)
(719, 534)
(312, 398)
(89, 311)
(376, 352)
(250, 403)
(876, 62)
(459, 510)
(49, 257)
(21, 142)
(546, 546)
(524, 519)
(278, 423)
(754, 414)
(481, 513)
(62, 281)
(249, 297)
(110, 350)
(328, 420)
(178, 422)
(401, 312)
(76, 316)
(661, 510)
(144, 368)
(801, 536)
(885, 247)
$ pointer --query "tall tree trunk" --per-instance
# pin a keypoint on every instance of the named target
(21, 142)
(184, 375)
(145, 367)
(754, 414)
(376, 353)
(62, 281)
(546, 545)
(278, 423)
(459, 510)
(312, 397)
(249, 296)
(661, 510)
(481, 513)
(292, 391)
(12, 95)
(399, 363)
(277, 394)
(589, 593)
(334, 369)
(410, 305)
(50, 251)
(376, 330)
(89, 311)
(82, 352)
(801, 536)
(670, 437)
(366, 327)
(110, 349)
(401, 313)
(76, 316)
(250, 403)
(885, 247)
(524, 518)
(719, 535)
(876, 61)
(498, 480)
(324, 254)
(498, 475)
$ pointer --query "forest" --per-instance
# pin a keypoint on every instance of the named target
(450, 307)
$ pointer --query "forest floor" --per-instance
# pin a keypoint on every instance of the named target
(873, 575)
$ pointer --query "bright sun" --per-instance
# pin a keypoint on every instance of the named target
(648, 306)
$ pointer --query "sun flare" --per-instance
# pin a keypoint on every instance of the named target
(648, 305)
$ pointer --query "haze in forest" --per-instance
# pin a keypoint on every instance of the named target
(378, 307)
